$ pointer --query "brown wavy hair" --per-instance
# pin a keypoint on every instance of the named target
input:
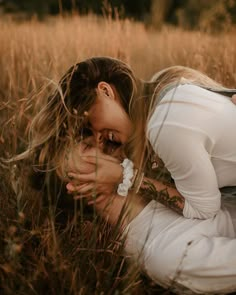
(61, 121)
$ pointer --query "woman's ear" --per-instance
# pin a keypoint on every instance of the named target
(105, 89)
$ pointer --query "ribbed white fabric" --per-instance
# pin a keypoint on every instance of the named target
(193, 130)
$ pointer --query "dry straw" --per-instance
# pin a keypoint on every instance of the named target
(61, 250)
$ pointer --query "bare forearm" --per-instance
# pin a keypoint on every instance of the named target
(165, 194)
(111, 208)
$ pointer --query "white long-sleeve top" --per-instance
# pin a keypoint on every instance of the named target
(189, 256)
(193, 130)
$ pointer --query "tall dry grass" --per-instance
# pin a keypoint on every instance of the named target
(48, 243)
(33, 51)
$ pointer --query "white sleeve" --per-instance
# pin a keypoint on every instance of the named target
(204, 256)
(184, 253)
(206, 265)
(185, 156)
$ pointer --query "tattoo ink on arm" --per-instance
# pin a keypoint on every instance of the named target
(165, 196)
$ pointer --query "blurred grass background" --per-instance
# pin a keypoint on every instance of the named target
(48, 243)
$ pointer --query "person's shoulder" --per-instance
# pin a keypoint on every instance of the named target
(184, 92)
(185, 108)
(179, 102)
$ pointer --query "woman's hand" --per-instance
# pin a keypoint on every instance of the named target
(91, 191)
(87, 191)
(100, 169)
(103, 178)
(91, 171)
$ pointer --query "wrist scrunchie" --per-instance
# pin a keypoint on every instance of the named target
(128, 174)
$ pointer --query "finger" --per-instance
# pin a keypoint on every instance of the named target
(83, 177)
(83, 167)
(111, 158)
(96, 158)
(80, 197)
(71, 187)
(85, 188)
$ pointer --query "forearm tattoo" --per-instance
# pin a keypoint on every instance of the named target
(149, 191)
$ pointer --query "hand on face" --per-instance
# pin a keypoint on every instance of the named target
(92, 172)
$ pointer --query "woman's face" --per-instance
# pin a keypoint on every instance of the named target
(108, 119)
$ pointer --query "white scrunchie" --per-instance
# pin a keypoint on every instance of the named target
(128, 173)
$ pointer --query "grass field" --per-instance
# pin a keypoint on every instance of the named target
(53, 246)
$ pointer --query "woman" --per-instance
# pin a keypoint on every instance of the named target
(168, 246)
(185, 255)
(182, 117)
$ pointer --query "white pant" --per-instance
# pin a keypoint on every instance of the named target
(185, 254)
